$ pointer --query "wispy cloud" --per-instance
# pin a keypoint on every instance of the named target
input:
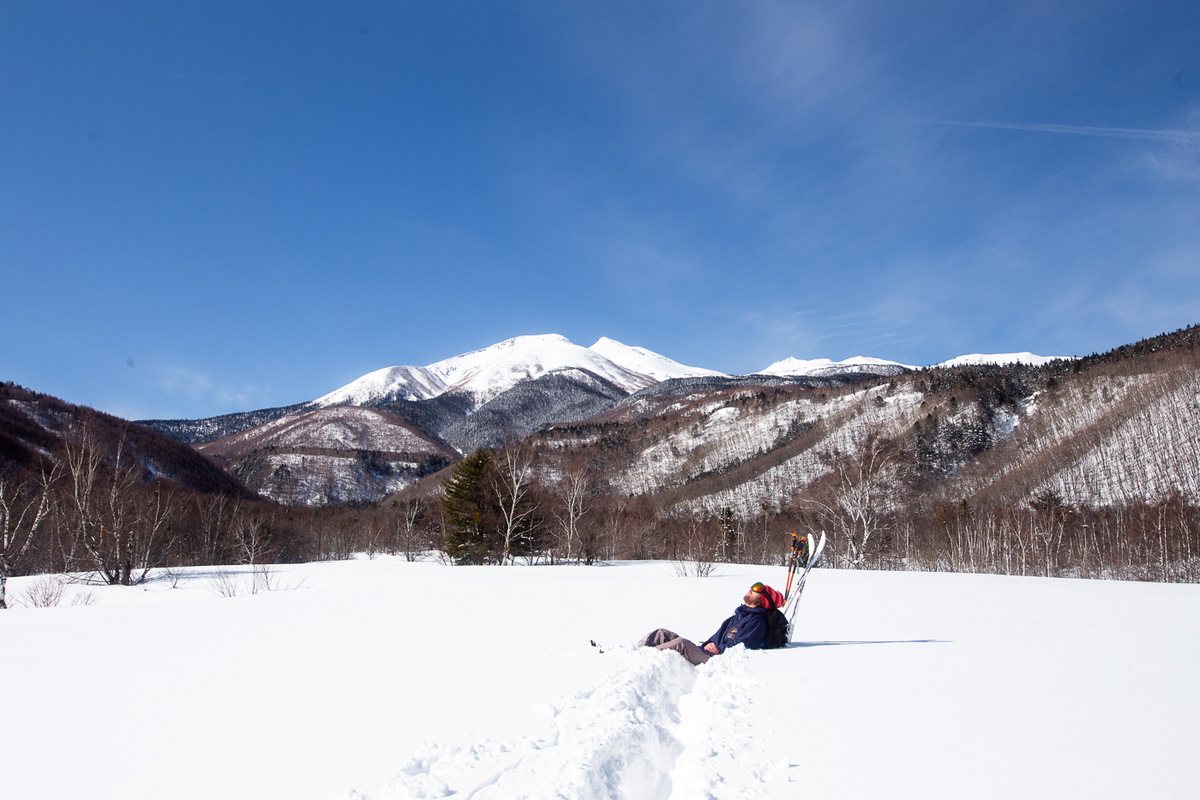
(182, 382)
(1150, 134)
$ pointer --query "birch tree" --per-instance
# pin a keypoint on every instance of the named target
(24, 505)
(409, 532)
(573, 490)
(513, 482)
(114, 523)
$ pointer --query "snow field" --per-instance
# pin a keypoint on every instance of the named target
(383, 679)
(997, 687)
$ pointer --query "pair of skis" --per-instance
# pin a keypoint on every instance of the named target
(804, 556)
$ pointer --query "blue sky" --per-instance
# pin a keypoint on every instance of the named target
(222, 206)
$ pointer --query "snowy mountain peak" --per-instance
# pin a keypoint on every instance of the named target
(490, 371)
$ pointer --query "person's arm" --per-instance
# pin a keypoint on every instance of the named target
(717, 640)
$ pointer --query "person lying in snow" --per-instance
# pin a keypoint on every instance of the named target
(749, 626)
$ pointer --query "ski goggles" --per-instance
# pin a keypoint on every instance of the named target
(758, 587)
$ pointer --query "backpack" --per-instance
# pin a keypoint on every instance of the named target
(777, 630)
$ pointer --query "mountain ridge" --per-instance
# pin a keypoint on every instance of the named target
(404, 389)
(490, 371)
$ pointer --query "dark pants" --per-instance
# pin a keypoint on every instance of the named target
(663, 639)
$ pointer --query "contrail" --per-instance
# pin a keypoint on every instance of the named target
(1078, 130)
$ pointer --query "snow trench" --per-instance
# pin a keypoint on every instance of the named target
(657, 728)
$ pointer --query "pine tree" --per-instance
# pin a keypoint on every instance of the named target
(471, 510)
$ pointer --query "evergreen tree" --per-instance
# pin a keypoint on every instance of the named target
(472, 511)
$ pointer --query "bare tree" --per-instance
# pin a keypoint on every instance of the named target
(696, 555)
(513, 485)
(22, 511)
(108, 513)
(573, 491)
(373, 534)
(409, 532)
(612, 524)
(858, 497)
(214, 515)
(250, 535)
(250, 538)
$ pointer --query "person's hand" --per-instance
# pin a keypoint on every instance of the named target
(711, 649)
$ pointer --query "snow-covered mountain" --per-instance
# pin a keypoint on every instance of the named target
(864, 365)
(493, 370)
(1001, 359)
(820, 367)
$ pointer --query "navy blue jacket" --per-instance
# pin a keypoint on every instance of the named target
(747, 626)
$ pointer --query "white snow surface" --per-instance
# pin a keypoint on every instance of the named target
(383, 679)
(488, 372)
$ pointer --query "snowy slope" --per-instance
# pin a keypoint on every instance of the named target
(340, 428)
(1108, 439)
(900, 685)
(641, 361)
(406, 383)
(491, 371)
(341, 454)
(726, 431)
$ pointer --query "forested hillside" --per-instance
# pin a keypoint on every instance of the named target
(1085, 467)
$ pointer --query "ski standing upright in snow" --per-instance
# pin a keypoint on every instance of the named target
(804, 556)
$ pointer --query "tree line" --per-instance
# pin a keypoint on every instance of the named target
(97, 513)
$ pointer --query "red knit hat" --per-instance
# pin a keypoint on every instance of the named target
(770, 597)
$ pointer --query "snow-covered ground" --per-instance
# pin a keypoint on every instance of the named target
(383, 679)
